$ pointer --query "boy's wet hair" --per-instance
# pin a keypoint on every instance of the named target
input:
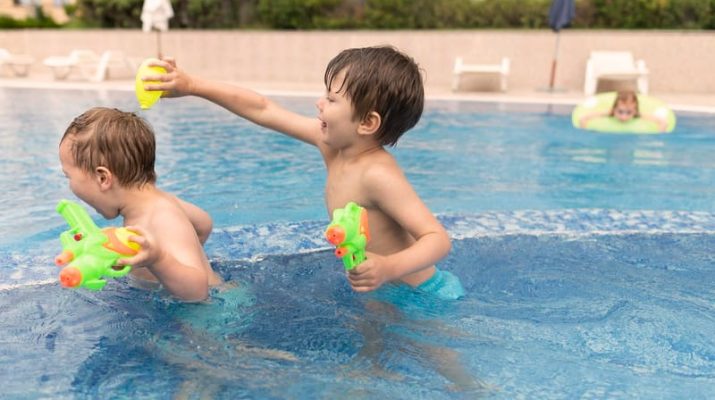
(120, 141)
(384, 80)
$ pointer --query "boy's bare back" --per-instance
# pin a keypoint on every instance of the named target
(164, 216)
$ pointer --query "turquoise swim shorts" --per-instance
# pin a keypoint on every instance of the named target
(224, 312)
(443, 285)
(432, 297)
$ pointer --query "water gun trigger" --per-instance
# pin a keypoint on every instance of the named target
(117, 271)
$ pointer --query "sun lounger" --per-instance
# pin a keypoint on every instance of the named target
(617, 66)
(88, 64)
(19, 63)
(500, 70)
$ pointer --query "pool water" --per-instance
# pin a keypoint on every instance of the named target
(587, 261)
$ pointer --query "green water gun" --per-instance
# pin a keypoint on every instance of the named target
(348, 231)
(89, 252)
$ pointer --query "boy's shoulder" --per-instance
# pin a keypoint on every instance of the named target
(380, 161)
(159, 204)
(381, 168)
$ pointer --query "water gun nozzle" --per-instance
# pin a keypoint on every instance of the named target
(335, 235)
(63, 258)
(70, 277)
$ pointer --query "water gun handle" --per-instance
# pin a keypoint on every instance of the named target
(348, 232)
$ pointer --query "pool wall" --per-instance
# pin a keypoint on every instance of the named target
(678, 61)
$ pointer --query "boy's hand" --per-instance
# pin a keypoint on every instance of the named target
(150, 251)
(370, 274)
(174, 83)
(662, 125)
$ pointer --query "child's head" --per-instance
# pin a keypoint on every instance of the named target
(625, 107)
(120, 142)
(382, 80)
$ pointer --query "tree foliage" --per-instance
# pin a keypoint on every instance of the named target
(402, 14)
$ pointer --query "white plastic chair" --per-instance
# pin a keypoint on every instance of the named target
(88, 64)
(500, 70)
(19, 63)
(614, 65)
(78, 60)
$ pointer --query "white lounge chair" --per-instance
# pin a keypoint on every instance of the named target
(88, 64)
(19, 63)
(500, 70)
(617, 66)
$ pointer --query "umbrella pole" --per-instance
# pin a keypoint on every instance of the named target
(553, 63)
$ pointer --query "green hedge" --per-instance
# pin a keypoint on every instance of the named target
(470, 14)
(39, 21)
(401, 14)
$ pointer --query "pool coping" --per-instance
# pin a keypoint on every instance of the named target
(696, 103)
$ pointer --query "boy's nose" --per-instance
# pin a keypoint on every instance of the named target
(319, 103)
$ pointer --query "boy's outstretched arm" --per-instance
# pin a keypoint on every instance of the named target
(243, 102)
(390, 191)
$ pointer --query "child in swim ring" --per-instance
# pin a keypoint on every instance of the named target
(624, 109)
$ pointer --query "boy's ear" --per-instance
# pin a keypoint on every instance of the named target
(104, 177)
(370, 124)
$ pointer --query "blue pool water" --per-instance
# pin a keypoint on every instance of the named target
(587, 260)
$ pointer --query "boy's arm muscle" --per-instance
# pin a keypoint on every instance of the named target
(180, 264)
(200, 219)
(171, 251)
(392, 193)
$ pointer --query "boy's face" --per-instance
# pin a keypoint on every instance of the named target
(336, 115)
(84, 185)
(625, 110)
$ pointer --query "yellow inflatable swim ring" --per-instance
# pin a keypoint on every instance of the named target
(147, 98)
(602, 103)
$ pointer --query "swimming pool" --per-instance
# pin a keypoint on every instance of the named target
(586, 257)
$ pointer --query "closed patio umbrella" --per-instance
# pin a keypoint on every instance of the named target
(155, 16)
(560, 15)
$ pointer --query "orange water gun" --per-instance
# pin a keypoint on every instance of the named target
(91, 252)
(349, 232)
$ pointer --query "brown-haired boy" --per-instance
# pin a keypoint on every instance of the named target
(373, 96)
(108, 157)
